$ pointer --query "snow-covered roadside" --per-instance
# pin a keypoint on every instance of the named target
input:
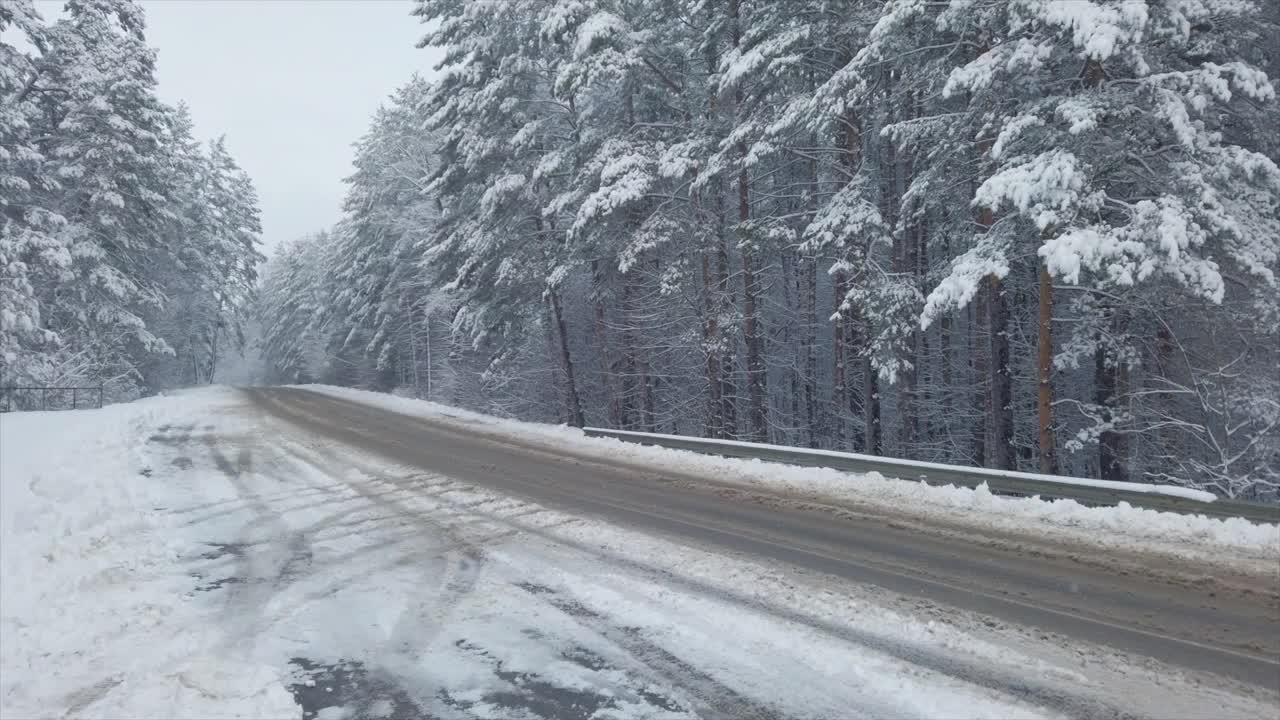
(1192, 537)
(90, 595)
(192, 558)
(195, 557)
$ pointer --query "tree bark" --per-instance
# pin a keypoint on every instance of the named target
(1110, 385)
(978, 331)
(557, 368)
(905, 256)
(853, 326)
(810, 266)
(872, 437)
(1001, 386)
(714, 425)
(1044, 375)
(756, 371)
(721, 416)
(607, 381)
(839, 383)
(807, 268)
(573, 405)
(728, 345)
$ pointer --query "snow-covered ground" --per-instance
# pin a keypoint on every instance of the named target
(99, 614)
(188, 556)
(1248, 546)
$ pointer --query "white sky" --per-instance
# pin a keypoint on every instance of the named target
(292, 83)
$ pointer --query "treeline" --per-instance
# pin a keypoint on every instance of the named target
(128, 250)
(1034, 235)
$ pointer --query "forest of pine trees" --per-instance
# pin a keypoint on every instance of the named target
(128, 249)
(1032, 234)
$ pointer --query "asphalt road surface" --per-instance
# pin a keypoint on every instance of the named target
(1228, 629)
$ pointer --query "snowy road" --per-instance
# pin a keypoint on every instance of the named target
(308, 556)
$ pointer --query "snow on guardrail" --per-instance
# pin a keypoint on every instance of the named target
(1166, 498)
(917, 465)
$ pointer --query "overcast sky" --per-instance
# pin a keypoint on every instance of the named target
(292, 83)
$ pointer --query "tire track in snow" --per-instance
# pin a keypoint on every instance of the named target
(342, 420)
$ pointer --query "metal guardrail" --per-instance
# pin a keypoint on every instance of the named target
(18, 397)
(999, 482)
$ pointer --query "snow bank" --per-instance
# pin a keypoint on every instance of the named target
(89, 596)
(1191, 536)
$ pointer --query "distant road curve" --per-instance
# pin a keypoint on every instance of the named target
(1203, 627)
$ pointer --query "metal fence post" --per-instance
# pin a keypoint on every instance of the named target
(100, 387)
(75, 398)
(44, 398)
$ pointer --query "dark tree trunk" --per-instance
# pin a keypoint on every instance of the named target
(607, 380)
(1109, 384)
(872, 437)
(978, 333)
(1044, 375)
(810, 266)
(839, 382)
(726, 300)
(1001, 386)
(752, 334)
(714, 426)
(573, 406)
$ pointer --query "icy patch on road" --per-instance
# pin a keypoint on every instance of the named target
(1194, 537)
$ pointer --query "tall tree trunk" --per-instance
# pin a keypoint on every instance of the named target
(426, 324)
(756, 372)
(607, 381)
(557, 367)
(1001, 385)
(792, 339)
(854, 346)
(647, 400)
(906, 248)
(811, 349)
(924, 379)
(807, 288)
(629, 394)
(853, 331)
(945, 332)
(720, 415)
(872, 437)
(1103, 397)
(1044, 374)
(1110, 385)
(573, 406)
(839, 383)
(999, 404)
(726, 300)
(1167, 438)
(978, 332)
(714, 425)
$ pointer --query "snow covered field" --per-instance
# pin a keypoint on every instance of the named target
(1251, 546)
(188, 556)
